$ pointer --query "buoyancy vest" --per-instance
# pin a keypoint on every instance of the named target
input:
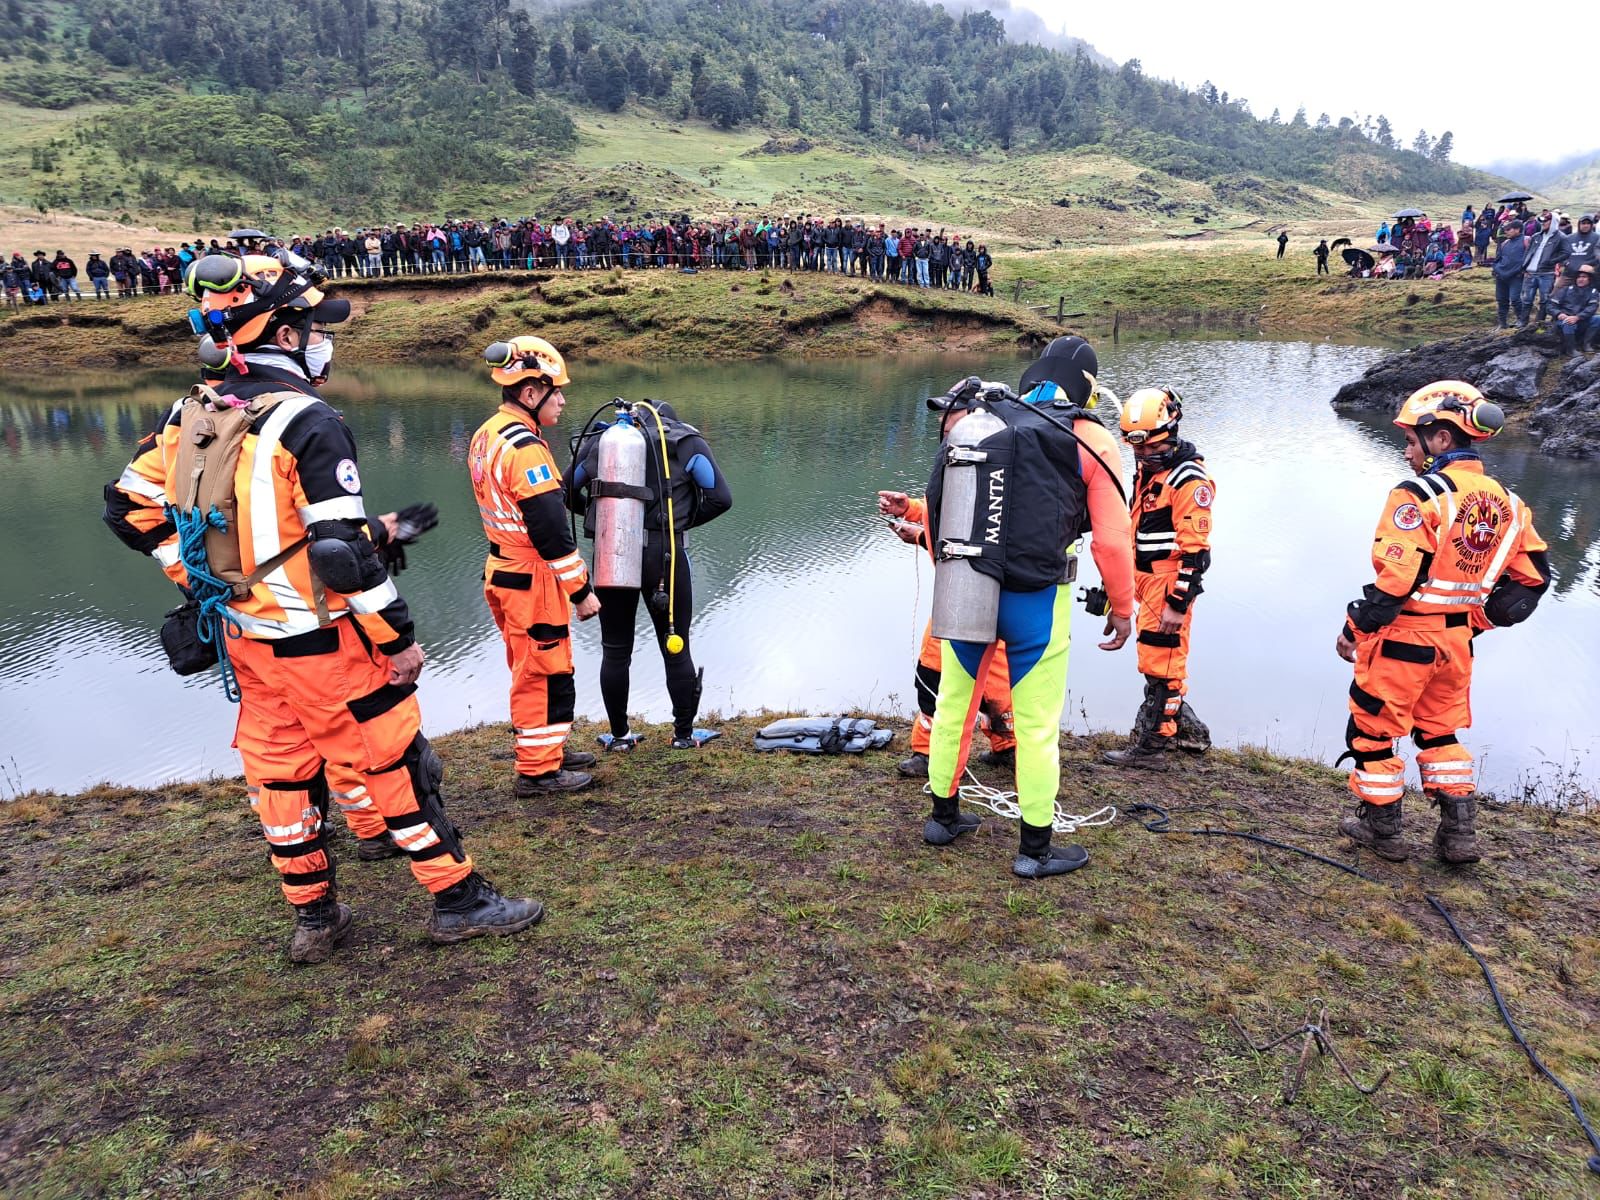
(685, 493)
(203, 478)
(823, 735)
(1032, 498)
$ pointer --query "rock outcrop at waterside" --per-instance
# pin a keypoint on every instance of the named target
(1557, 400)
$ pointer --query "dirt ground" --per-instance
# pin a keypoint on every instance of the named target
(24, 230)
(756, 981)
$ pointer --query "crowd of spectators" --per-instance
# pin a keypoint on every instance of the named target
(912, 256)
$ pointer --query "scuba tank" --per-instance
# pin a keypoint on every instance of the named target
(619, 506)
(966, 602)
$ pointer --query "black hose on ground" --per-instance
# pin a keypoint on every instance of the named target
(1161, 822)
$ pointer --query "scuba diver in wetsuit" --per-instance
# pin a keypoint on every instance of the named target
(1039, 472)
(683, 489)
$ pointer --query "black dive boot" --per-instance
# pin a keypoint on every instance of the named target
(318, 928)
(914, 766)
(1377, 827)
(1194, 737)
(473, 908)
(948, 822)
(1006, 758)
(1456, 840)
(1037, 858)
(1146, 747)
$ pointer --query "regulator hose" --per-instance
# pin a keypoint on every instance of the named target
(1161, 822)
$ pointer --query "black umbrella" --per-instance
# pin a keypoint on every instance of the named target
(1409, 212)
(1358, 258)
(1513, 197)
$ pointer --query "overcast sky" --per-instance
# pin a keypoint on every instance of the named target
(1326, 56)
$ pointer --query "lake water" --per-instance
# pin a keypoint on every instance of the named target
(803, 599)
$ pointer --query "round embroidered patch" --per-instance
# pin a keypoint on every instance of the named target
(1407, 516)
(1203, 495)
(349, 478)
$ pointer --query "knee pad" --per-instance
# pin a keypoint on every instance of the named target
(561, 698)
(426, 769)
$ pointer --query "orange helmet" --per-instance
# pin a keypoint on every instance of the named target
(1452, 402)
(241, 295)
(1151, 414)
(525, 358)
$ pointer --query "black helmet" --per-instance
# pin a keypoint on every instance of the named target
(1068, 362)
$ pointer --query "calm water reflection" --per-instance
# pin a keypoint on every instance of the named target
(802, 599)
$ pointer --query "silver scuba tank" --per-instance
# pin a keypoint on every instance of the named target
(966, 603)
(619, 520)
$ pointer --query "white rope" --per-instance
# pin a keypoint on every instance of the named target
(1004, 804)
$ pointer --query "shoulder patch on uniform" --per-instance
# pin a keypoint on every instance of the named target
(1407, 516)
(539, 474)
(1204, 495)
(349, 478)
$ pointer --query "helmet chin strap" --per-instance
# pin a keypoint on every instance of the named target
(533, 410)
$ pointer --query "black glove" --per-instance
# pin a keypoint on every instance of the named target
(411, 522)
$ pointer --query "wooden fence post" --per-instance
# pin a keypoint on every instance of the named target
(1016, 292)
(1061, 309)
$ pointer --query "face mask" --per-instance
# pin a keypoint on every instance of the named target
(319, 358)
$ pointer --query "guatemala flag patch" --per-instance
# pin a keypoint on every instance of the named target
(539, 474)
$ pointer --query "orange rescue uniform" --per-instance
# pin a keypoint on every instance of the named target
(1171, 552)
(1444, 541)
(533, 573)
(995, 711)
(318, 717)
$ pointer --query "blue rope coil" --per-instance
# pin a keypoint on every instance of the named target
(216, 622)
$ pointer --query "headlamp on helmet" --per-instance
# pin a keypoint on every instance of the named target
(1452, 402)
(524, 359)
(1151, 415)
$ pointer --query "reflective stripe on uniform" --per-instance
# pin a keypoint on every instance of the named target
(340, 508)
(136, 484)
(166, 554)
(294, 622)
(353, 801)
(374, 599)
(415, 837)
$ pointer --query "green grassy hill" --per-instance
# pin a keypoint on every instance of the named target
(373, 110)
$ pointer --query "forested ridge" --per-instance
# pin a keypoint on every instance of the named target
(357, 102)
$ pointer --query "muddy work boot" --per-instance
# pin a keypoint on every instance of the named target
(376, 849)
(913, 767)
(1006, 758)
(571, 759)
(1038, 859)
(1194, 737)
(1456, 839)
(948, 822)
(318, 928)
(1377, 827)
(1146, 747)
(472, 908)
(529, 786)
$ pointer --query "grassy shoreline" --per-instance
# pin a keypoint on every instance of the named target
(714, 314)
(756, 980)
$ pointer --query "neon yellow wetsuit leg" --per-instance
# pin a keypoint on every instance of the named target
(1037, 630)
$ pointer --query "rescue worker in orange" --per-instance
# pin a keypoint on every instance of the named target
(136, 511)
(319, 641)
(1455, 554)
(1172, 502)
(534, 574)
(911, 526)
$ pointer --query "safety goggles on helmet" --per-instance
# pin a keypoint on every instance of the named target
(1151, 415)
(1452, 402)
(526, 358)
(240, 299)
